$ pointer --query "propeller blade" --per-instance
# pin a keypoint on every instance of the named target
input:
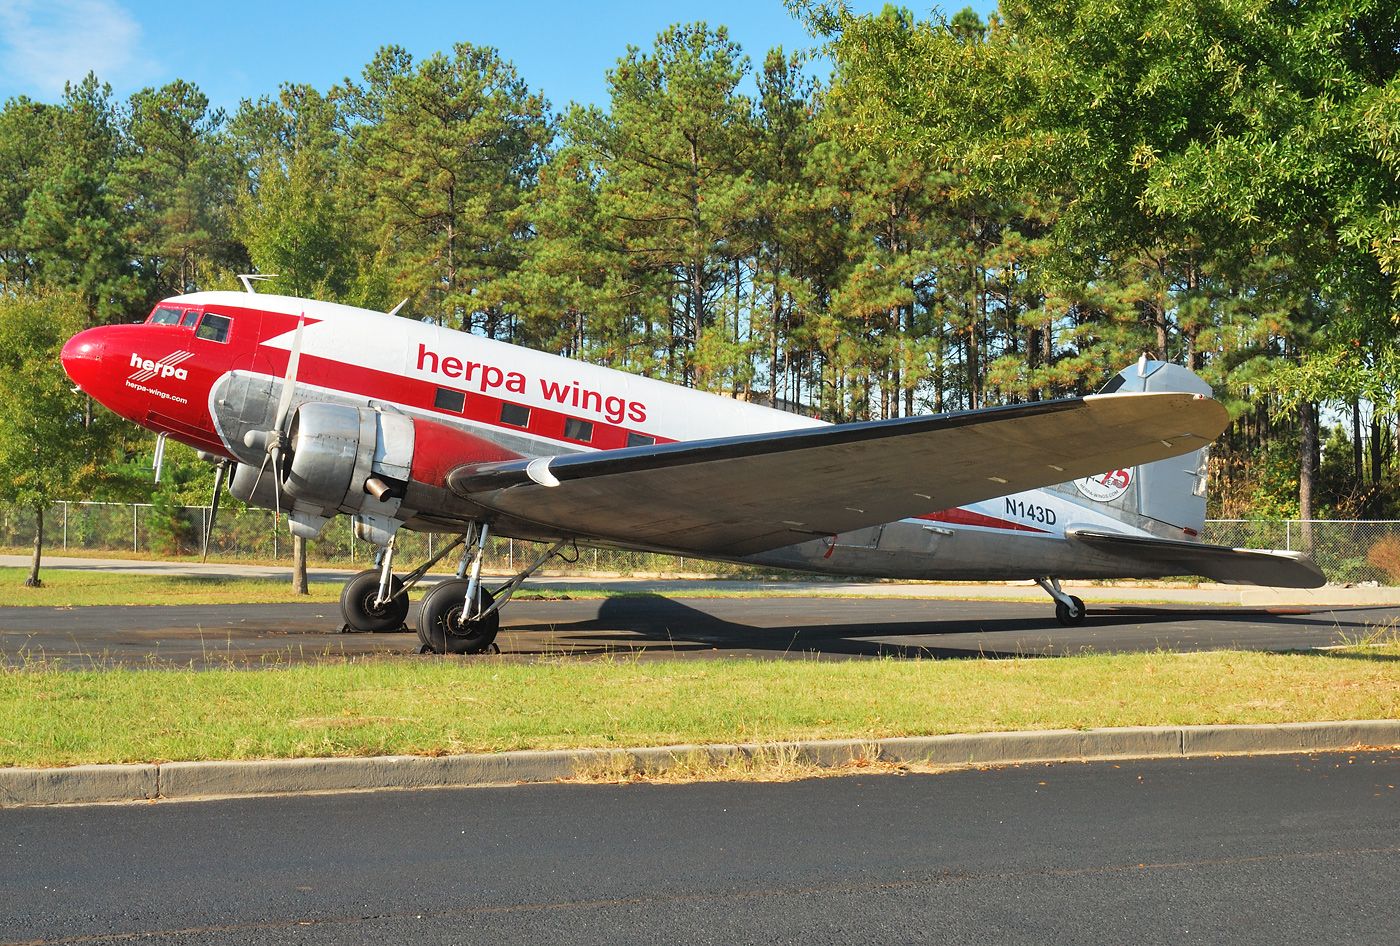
(219, 473)
(258, 479)
(158, 461)
(289, 383)
(275, 454)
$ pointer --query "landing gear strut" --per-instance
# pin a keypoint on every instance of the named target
(375, 599)
(1069, 609)
(462, 617)
(458, 616)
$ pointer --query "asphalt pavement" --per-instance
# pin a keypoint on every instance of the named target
(657, 626)
(1273, 850)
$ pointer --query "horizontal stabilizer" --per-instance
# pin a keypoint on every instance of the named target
(1217, 562)
(739, 495)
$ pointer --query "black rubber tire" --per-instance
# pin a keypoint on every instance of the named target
(1071, 620)
(357, 603)
(438, 620)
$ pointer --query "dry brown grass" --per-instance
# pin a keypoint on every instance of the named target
(1385, 555)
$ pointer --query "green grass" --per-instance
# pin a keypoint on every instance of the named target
(68, 588)
(72, 588)
(435, 705)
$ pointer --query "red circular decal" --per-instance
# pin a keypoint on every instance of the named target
(1106, 487)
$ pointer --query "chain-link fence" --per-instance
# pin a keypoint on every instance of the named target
(1346, 550)
(248, 534)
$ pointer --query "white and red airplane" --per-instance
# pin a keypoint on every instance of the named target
(321, 409)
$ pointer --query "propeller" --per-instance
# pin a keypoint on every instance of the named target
(220, 474)
(158, 461)
(275, 441)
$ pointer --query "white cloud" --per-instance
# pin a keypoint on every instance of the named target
(49, 42)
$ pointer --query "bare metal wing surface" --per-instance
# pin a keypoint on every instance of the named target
(1217, 562)
(740, 495)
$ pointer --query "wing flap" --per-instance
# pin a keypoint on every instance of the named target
(1218, 562)
(736, 496)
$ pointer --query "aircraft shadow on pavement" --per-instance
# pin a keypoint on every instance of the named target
(656, 623)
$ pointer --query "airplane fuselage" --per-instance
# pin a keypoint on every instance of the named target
(207, 369)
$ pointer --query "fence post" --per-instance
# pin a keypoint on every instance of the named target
(65, 525)
(134, 509)
(1288, 535)
(276, 521)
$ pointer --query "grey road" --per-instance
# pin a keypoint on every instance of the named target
(1238, 851)
(659, 626)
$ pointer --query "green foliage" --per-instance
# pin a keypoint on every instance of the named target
(445, 151)
(295, 215)
(46, 448)
(176, 177)
(968, 213)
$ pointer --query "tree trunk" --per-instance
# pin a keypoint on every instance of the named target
(1357, 449)
(33, 580)
(299, 566)
(774, 315)
(911, 379)
(1377, 460)
(1307, 468)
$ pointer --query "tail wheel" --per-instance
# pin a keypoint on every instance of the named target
(1063, 615)
(440, 625)
(358, 607)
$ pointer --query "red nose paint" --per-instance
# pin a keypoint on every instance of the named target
(158, 376)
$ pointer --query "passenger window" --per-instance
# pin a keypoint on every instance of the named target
(450, 400)
(640, 440)
(575, 429)
(191, 317)
(213, 327)
(165, 316)
(515, 415)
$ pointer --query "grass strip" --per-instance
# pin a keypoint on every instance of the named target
(436, 706)
(70, 588)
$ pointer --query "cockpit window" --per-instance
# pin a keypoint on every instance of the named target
(191, 317)
(213, 327)
(165, 315)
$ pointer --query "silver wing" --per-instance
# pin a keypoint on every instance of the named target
(740, 495)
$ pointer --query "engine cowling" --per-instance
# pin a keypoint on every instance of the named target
(361, 461)
(334, 449)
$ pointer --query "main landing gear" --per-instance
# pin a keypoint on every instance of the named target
(458, 616)
(1069, 609)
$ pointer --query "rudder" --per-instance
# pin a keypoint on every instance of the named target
(1168, 496)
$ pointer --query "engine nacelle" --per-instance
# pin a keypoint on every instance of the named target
(334, 449)
(359, 460)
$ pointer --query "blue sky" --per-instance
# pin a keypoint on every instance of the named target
(246, 48)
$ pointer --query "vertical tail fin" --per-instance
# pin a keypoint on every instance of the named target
(1167, 497)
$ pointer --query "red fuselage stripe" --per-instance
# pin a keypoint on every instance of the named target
(966, 517)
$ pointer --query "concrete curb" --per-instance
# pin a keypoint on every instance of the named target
(86, 784)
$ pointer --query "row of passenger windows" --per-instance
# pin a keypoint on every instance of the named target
(211, 327)
(518, 415)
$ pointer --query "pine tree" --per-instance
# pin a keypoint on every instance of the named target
(446, 151)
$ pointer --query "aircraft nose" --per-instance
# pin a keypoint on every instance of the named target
(82, 357)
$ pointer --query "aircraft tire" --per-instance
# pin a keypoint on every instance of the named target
(1071, 620)
(357, 605)
(439, 620)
